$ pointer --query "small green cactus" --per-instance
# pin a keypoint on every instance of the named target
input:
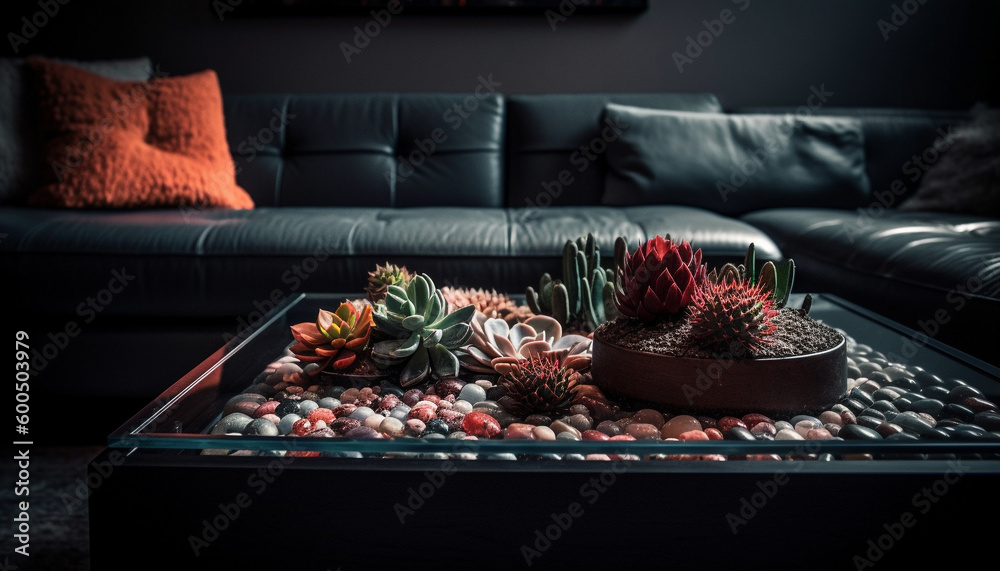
(774, 278)
(584, 297)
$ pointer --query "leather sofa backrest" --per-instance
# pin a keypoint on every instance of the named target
(545, 133)
(385, 150)
(893, 137)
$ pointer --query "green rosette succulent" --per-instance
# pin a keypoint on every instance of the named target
(422, 332)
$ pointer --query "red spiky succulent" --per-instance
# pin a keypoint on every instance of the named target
(335, 339)
(537, 385)
(733, 317)
(658, 280)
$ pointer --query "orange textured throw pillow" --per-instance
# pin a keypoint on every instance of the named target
(132, 144)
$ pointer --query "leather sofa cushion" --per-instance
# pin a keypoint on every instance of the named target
(546, 133)
(205, 263)
(899, 143)
(405, 150)
(733, 164)
(935, 252)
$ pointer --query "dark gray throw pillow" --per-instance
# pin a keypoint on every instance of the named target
(734, 164)
(966, 179)
(20, 154)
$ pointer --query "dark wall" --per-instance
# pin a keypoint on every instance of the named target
(771, 53)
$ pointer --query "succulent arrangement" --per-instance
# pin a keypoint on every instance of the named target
(494, 342)
(421, 332)
(583, 298)
(658, 280)
(382, 277)
(541, 384)
(335, 339)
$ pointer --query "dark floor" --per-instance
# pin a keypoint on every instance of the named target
(58, 532)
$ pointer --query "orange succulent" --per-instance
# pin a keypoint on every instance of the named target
(335, 339)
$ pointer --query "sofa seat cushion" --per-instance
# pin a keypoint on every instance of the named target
(216, 263)
(935, 272)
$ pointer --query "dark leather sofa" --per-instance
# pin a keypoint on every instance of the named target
(478, 190)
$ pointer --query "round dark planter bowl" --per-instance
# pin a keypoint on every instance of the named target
(723, 386)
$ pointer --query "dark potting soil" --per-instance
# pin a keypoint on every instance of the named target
(796, 334)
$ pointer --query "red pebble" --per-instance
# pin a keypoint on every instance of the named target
(412, 397)
(302, 454)
(423, 411)
(713, 434)
(453, 418)
(266, 408)
(321, 414)
(727, 422)
(387, 402)
(594, 435)
(620, 437)
(693, 435)
(976, 404)
(342, 425)
(432, 398)
(344, 410)
(480, 424)
(301, 427)
(753, 419)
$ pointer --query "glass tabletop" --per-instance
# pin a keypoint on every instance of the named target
(183, 416)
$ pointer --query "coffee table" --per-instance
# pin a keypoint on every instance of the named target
(419, 502)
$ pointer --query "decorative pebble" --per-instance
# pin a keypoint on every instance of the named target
(568, 436)
(472, 392)
(480, 424)
(872, 412)
(579, 421)
(714, 433)
(559, 427)
(887, 429)
(912, 421)
(764, 429)
(520, 431)
(870, 421)
(261, 427)
(266, 408)
(301, 427)
(286, 423)
(543, 433)
(962, 392)
(594, 435)
(643, 431)
(976, 404)
(415, 427)
(650, 416)
(788, 434)
(401, 412)
(728, 422)
(345, 424)
(307, 406)
(462, 406)
(374, 421)
(392, 427)
(818, 434)
(233, 422)
(858, 432)
(862, 397)
(693, 435)
(783, 424)
(361, 433)
(753, 419)
(608, 427)
(740, 433)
